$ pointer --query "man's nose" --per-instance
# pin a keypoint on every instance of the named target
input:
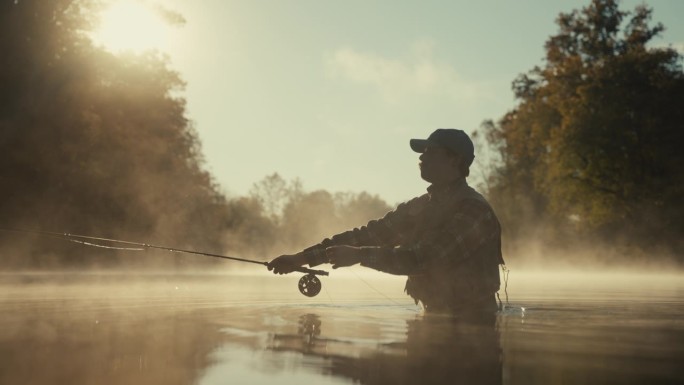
(422, 156)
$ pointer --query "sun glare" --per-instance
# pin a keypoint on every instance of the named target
(128, 25)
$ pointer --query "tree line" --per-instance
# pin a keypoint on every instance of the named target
(97, 143)
(592, 150)
(100, 144)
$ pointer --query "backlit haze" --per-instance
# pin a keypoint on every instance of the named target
(331, 92)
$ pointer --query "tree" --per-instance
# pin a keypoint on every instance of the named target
(356, 209)
(251, 232)
(273, 193)
(593, 143)
(93, 142)
(279, 216)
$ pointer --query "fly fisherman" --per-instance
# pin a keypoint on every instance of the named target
(447, 241)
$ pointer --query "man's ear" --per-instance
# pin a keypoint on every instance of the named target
(457, 160)
(459, 163)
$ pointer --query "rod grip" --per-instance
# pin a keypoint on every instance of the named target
(311, 271)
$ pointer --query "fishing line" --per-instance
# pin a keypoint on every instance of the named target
(379, 292)
(309, 284)
(329, 297)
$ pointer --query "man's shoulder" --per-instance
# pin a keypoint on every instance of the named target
(466, 194)
(470, 201)
(414, 205)
(419, 200)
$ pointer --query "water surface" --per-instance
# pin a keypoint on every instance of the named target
(582, 328)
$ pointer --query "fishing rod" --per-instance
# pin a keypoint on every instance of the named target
(309, 284)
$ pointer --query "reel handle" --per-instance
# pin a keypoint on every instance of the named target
(311, 271)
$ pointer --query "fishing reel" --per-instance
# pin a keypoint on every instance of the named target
(310, 285)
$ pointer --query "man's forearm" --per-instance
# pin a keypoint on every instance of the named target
(397, 261)
(315, 255)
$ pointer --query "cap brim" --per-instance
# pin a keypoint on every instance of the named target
(418, 145)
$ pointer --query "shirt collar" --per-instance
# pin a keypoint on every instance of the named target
(438, 191)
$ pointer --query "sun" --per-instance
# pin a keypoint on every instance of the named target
(128, 25)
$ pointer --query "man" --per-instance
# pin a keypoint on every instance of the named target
(447, 241)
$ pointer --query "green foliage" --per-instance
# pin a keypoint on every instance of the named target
(593, 145)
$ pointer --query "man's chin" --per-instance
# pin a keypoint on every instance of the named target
(425, 177)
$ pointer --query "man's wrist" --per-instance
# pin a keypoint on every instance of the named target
(314, 256)
(367, 256)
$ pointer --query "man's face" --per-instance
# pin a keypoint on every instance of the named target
(438, 166)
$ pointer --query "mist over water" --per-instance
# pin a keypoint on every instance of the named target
(252, 327)
(101, 144)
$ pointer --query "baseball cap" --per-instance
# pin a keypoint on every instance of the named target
(457, 141)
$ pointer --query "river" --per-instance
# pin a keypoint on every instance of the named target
(254, 328)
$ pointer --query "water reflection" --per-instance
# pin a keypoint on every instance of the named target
(216, 331)
(436, 350)
(73, 346)
(307, 340)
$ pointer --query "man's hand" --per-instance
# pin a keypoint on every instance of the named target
(343, 256)
(287, 263)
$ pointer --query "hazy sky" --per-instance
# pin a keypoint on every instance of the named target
(332, 91)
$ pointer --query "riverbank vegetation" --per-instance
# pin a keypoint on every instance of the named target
(591, 154)
(99, 143)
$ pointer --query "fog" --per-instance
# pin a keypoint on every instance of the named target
(101, 145)
(252, 327)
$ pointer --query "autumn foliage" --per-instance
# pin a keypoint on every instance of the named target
(593, 150)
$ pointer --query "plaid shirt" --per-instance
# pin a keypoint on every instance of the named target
(448, 243)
